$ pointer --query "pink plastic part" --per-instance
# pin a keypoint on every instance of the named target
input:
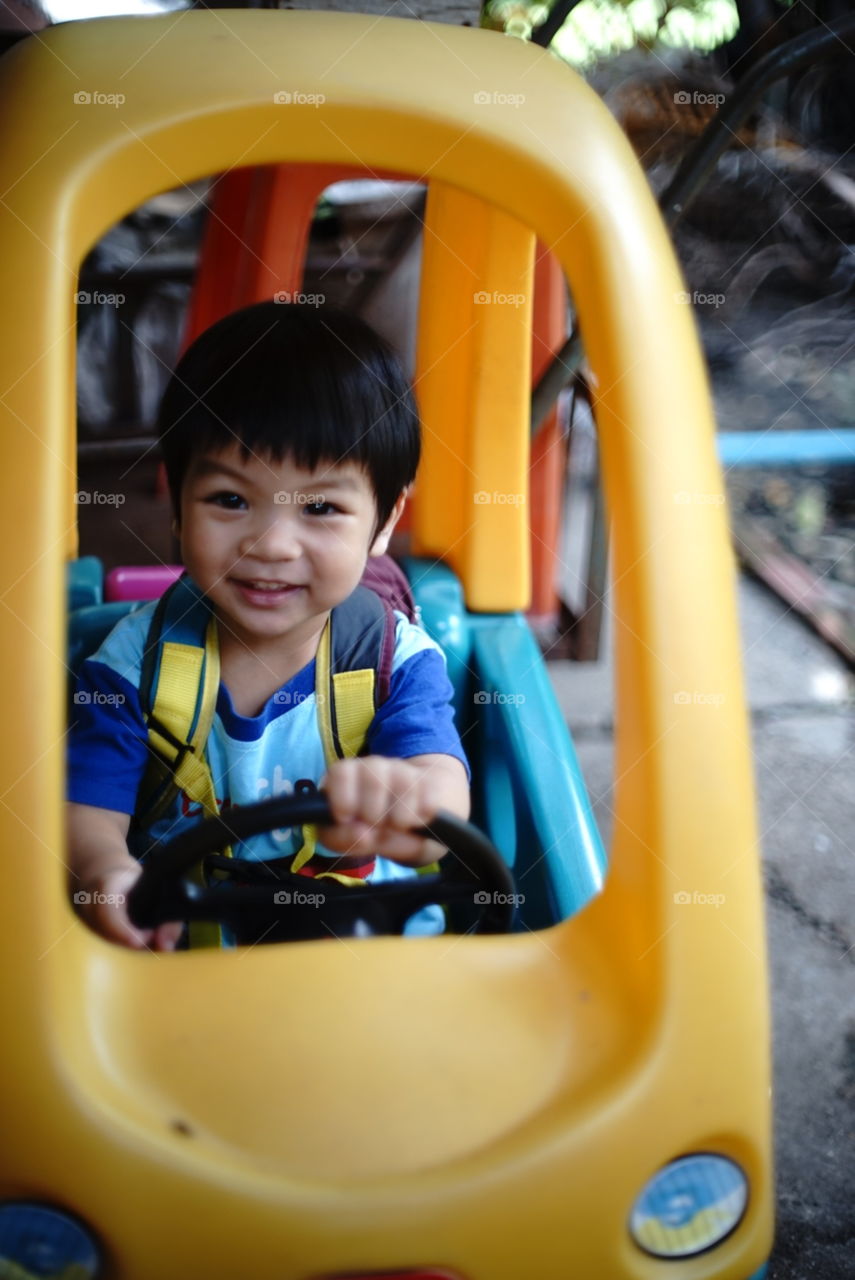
(140, 582)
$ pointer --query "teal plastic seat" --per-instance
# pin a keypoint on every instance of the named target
(528, 791)
(84, 582)
(89, 627)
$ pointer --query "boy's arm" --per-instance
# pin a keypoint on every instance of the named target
(108, 754)
(377, 801)
(102, 873)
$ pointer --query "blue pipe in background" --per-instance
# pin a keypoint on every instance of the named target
(785, 448)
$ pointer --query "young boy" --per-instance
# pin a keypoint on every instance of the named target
(290, 439)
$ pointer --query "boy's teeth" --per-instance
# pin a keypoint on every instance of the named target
(266, 586)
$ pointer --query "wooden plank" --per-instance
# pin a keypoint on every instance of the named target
(828, 605)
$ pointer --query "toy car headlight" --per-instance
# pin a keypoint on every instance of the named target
(42, 1241)
(688, 1206)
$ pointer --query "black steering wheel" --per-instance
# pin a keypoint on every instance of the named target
(272, 904)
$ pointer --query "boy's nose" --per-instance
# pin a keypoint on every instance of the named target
(274, 539)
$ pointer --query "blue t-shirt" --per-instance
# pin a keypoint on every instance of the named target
(251, 757)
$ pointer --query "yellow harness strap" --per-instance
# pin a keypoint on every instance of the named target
(176, 700)
(353, 692)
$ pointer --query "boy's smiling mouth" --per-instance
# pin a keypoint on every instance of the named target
(265, 591)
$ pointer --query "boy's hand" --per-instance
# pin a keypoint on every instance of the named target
(377, 801)
(103, 874)
(104, 906)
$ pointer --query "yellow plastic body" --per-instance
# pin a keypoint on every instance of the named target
(473, 377)
(492, 1106)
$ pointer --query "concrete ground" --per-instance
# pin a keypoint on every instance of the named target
(800, 696)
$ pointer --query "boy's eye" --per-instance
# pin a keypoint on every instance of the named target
(320, 508)
(225, 498)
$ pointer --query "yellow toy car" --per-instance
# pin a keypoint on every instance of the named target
(585, 1097)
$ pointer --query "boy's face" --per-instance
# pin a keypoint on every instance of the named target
(274, 547)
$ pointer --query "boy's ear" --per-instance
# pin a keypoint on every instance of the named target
(381, 539)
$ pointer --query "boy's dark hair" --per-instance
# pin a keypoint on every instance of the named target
(316, 385)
